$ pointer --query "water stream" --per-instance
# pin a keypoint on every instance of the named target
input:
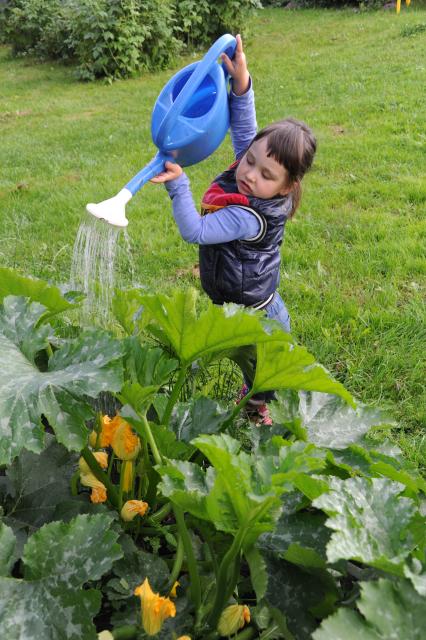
(101, 262)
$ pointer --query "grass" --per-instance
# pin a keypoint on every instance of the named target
(353, 269)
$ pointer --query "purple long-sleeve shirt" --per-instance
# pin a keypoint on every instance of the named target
(229, 223)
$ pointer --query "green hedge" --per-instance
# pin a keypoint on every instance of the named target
(117, 38)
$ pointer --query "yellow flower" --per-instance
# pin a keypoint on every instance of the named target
(184, 638)
(105, 635)
(99, 493)
(125, 442)
(132, 508)
(154, 608)
(172, 593)
(233, 618)
(108, 428)
(398, 6)
(100, 456)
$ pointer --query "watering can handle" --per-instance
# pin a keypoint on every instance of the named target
(225, 44)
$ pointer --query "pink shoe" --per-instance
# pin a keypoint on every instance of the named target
(263, 416)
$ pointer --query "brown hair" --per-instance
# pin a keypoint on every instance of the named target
(292, 144)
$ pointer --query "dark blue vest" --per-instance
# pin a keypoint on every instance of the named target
(246, 271)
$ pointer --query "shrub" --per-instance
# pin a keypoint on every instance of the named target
(116, 38)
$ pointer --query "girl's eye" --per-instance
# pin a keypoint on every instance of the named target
(266, 176)
(249, 160)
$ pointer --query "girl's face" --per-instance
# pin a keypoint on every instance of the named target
(259, 175)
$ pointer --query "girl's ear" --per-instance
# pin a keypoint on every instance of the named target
(289, 188)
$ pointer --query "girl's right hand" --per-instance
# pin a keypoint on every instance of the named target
(172, 172)
(237, 68)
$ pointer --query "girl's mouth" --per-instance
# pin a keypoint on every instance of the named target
(244, 187)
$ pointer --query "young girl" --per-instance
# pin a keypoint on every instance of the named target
(239, 245)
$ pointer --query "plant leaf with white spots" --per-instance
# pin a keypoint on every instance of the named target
(84, 366)
(372, 522)
(7, 549)
(13, 283)
(390, 610)
(49, 603)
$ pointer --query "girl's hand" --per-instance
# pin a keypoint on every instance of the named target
(172, 172)
(237, 68)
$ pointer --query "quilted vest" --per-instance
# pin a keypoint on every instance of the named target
(245, 271)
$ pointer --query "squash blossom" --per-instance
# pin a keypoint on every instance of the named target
(99, 493)
(154, 608)
(108, 428)
(233, 618)
(184, 638)
(105, 635)
(132, 508)
(398, 6)
(125, 442)
(101, 457)
(172, 593)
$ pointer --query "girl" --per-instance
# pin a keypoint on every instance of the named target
(239, 246)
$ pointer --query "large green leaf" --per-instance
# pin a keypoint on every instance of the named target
(282, 365)
(7, 549)
(216, 330)
(296, 594)
(300, 538)
(371, 522)
(82, 367)
(239, 490)
(37, 484)
(51, 297)
(199, 415)
(391, 610)
(50, 603)
(325, 419)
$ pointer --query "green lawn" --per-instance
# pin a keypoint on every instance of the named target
(353, 271)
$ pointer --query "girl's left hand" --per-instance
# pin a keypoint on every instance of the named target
(237, 68)
(172, 172)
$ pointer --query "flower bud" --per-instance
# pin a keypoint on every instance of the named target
(105, 635)
(133, 508)
(101, 457)
(233, 618)
(99, 493)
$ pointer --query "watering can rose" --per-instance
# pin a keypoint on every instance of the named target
(154, 608)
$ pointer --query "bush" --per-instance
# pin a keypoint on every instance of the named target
(116, 38)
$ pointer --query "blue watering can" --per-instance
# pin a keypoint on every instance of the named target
(189, 121)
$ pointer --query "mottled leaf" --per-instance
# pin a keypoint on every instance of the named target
(7, 549)
(391, 610)
(82, 367)
(295, 594)
(37, 484)
(200, 415)
(49, 603)
(371, 522)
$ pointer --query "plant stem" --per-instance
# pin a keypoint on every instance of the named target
(247, 634)
(100, 475)
(159, 515)
(150, 438)
(194, 578)
(236, 410)
(174, 395)
(177, 565)
(223, 587)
